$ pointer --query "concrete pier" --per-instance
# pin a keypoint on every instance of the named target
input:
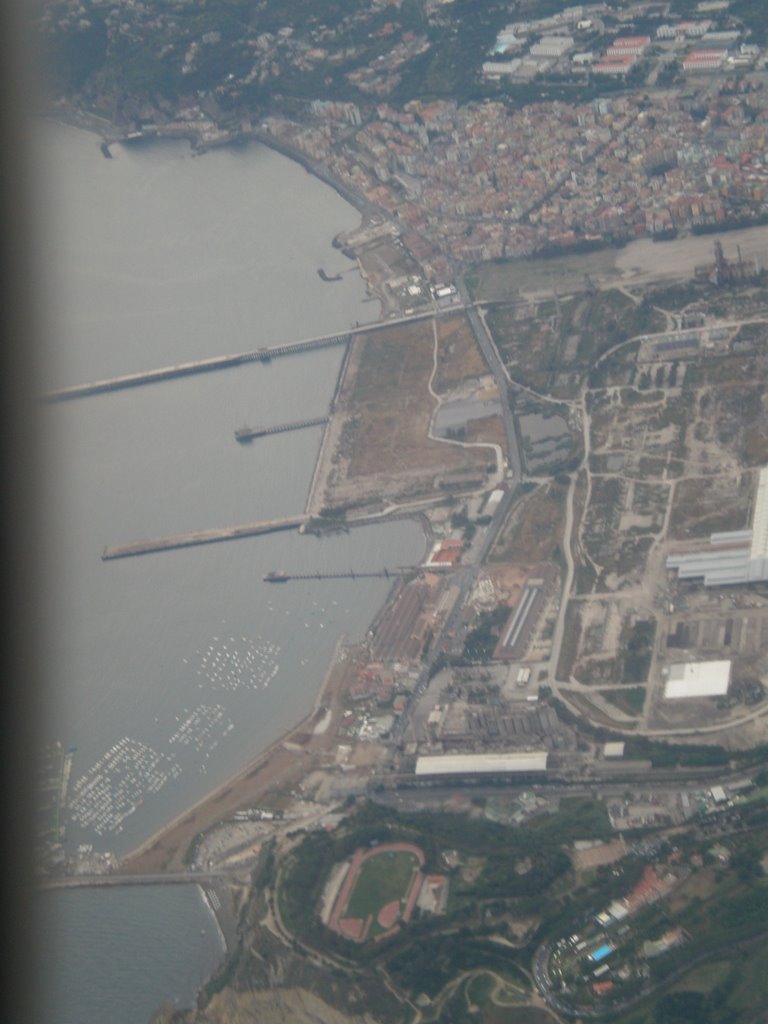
(248, 434)
(195, 538)
(260, 355)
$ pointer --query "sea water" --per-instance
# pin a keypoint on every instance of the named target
(169, 672)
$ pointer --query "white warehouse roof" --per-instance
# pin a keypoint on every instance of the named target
(465, 764)
(698, 679)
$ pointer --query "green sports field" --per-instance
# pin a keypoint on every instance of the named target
(383, 878)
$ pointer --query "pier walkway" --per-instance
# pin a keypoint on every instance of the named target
(248, 434)
(197, 537)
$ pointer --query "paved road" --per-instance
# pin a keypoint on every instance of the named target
(465, 576)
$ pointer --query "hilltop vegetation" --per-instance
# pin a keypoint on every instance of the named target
(252, 54)
(249, 56)
(513, 889)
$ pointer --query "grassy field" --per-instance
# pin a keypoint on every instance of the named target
(517, 1015)
(533, 530)
(383, 878)
(733, 990)
(703, 978)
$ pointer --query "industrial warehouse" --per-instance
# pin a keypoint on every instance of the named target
(482, 764)
(736, 556)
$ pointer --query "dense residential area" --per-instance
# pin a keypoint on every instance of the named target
(565, 157)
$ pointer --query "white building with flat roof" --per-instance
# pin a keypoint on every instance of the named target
(492, 764)
(758, 550)
(698, 679)
(552, 46)
(497, 68)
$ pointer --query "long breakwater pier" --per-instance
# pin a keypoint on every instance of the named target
(132, 380)
(198, 537)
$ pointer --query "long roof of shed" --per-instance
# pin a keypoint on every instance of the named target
(463, 764)
(759, 548)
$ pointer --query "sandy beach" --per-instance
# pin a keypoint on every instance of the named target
(278, 768)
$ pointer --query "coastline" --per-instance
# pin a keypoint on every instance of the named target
(111, 133)
(288, 757)
(216, 795)
(176, 835)
(213, 905)
(258, 773)
(328, 444)
(280, 763)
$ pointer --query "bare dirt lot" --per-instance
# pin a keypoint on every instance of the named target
(489, 429)
(704, 505)
(596, 856)
(458, 358)
(383, 449)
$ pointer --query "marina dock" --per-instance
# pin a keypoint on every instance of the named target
(249, 434)
(197, 537)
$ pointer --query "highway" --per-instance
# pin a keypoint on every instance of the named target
(468, 575)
